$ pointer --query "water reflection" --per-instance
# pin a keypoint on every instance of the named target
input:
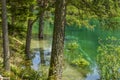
(42, 50)
(41, 57)
(36, 60)
(94, 74)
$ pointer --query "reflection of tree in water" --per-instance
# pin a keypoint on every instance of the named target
(45, 56)
(36, 60)
(42, 56)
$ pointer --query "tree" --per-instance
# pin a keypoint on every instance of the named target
(80, 11)
(41, 4)
(22, 12)
(108, 58)
(28, 38)
(18, 14)
(88, 8)
(6, 52)
(56, 63)
(29, 32)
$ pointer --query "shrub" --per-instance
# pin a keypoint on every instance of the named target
(81, 62)
(109, 58)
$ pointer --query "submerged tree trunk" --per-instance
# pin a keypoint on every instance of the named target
(6, 53)
(28, 39)
(55, 71)
(42, 56)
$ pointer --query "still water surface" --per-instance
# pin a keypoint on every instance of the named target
(76, 75)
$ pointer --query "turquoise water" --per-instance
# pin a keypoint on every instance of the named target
(88, 44)
(88, 40)
(85, 38)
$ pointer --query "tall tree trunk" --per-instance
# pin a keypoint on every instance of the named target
(41, 25)
(56, 63)
(28, 39)
(42, 5)
(6, 62)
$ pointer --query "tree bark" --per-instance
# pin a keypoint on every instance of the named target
(28, 39)
(6, 61)
(42, 5)
(56, 63)
(41, 25)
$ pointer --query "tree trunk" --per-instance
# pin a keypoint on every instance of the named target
(28, 39)
(42, 5)
(56, 63)
(6, 62)
(41, 25)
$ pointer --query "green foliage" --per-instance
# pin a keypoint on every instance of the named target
(78, 17)
(80, 11)
(20, 67)
(20, 8)
(109, 58)
(16, 46)
(15, 72)
(25, 72)
(72, 46)
(71, 50)
(18, 14)
(110, 23)
(17, 30)
(72, 15)
(44, 72)
(73, 55)
(81, 62)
